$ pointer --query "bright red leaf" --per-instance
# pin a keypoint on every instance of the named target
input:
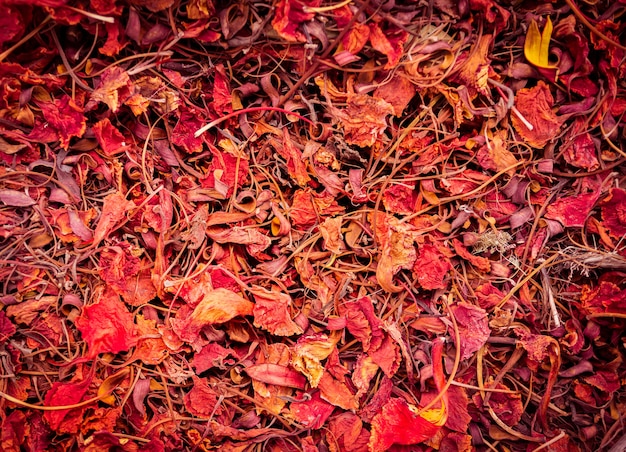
(572, 211)
(62, 394)
(399, 422)
(65, 117)
(202, 400)
(613, 209)
(106, 325)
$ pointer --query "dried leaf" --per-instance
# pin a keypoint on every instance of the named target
(106, 325)
(216, 306)
(271, 312)
(276, 374)
(535, 105)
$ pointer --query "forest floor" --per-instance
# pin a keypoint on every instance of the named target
(312, 226)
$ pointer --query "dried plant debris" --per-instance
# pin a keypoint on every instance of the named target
(312, 226)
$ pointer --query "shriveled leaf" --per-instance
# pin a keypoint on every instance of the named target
(202, 400)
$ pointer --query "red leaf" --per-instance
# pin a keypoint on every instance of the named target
(535, 104)
(473, 328)
(363, 373)
(116, 264)
(431, 267)
(582, 153)
(379, 399)
(398, 92)
(211, 355)
(481, 263)
(348, 432)
(337, 392)
(271, 312)
(222, 98)
(217, 306)
(16, 198)
(150, 347)
(606, 297)
(311, 413)
(605, 380)
(114, 210)
(202, 400)
(308, 353)
(225, 172)
(508, 407)
(307, 208)
(400, 199)
(364, 119)
(572, 211)
(65, 117)
(387, 356)
(358, 34)
(296, 166)
(398, 423)
(456, 442)
(12, 23)
(61, 394)
(458, 415)
(493, 12)
(116, 39)
(109, 137)
(397, 251)
(7, 328)
(183, 132)
(106, 325)
(614, 213)
(290, 14)
(13, 431)
(362, 322)
(275, 374)
(254, 240)
(390, 42)
(113, 89)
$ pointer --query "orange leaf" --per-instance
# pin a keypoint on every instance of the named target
(217, 306)
(114, 209)
(112, 382)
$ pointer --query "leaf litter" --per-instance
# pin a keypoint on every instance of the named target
(312, 226)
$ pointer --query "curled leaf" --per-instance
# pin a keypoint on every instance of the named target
(112, 382)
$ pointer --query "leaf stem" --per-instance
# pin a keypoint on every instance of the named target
(217, 121)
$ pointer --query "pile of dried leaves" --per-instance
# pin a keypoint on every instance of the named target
(312, 226)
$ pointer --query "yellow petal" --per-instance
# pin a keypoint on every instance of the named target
(537, 45)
